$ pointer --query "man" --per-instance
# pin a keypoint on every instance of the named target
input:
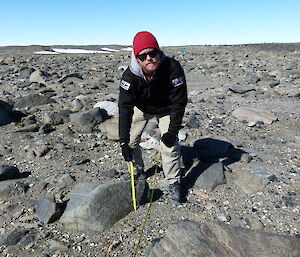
(152, 86)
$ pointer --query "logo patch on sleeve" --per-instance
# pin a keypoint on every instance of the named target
(177, 82)
(124, 84)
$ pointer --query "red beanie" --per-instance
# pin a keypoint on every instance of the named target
(143, 40)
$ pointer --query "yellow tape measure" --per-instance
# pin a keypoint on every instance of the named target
(149, 207)
(132, 184)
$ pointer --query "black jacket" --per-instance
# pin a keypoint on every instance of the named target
(166, 93)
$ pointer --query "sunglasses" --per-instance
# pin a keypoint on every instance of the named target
(152, 54)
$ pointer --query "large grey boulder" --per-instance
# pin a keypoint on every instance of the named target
(94, 207)
(217, 239)
(5, 113)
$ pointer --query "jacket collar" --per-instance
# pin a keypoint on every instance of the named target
(136, 69)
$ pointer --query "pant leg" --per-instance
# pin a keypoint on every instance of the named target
(139, 122)
(170, 156)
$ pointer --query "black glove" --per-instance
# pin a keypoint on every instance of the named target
(126, 152)
(168, 139)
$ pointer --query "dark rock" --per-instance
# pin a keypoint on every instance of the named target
(8, 172)
(274, 84)
(28, 238)
(14, 237)
(211, 177)
(88, 119)
(25, 73)
(241, 89)
(56, 118)
(29, 128)
(73, 75)
(45, 129)
(5, 113)
(252, 79)
(217, 239)
(216, 121)
(33, 100)
(79, 161)
(47, 210)
(109, 173)
(289, 201)
(11, 188)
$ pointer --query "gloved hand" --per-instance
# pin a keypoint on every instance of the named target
(126, 152)
(168, 139)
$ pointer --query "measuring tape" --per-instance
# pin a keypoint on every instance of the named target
(132, 184)
(149, 207)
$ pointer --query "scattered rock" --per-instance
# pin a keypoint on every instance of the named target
(264, 76)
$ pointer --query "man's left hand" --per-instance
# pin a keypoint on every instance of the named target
(168, 139)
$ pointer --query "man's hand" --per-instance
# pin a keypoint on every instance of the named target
(126, 152)
(168, 139)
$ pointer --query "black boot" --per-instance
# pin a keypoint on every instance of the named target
(174, 192)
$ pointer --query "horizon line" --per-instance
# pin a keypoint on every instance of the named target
(126, 45)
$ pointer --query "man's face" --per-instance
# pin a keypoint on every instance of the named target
(149, 60)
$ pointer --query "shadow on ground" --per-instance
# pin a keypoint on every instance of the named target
(196, 159)
(202, 155)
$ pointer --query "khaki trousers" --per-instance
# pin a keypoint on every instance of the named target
(170, 156)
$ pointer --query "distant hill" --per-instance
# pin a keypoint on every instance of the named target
(15, 50)
(8, 50)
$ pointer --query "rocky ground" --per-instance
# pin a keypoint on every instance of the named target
(50, 149)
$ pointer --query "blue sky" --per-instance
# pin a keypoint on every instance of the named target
(184, 22)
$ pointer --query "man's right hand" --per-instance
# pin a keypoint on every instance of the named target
(126, 152)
